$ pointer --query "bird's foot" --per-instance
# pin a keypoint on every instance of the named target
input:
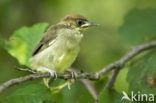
(53, 74)
(50, 71)
(74, 75)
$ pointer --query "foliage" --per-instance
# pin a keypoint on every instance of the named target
(119, 28)
(139, 25)
(144, 80)
(111, 96)
(1, 42)
(22, 42)
(30, 94)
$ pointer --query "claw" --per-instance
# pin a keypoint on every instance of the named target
(74, 75)
(52, 72)
(55, 75)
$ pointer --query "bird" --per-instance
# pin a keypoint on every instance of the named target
(60, 45)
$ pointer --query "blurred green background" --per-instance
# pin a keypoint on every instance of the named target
(102, 45)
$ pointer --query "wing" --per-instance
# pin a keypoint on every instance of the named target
(48, 36)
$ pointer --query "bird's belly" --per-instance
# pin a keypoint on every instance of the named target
(57, 59)
(65, 60)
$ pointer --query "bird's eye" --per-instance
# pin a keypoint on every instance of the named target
(80, 22)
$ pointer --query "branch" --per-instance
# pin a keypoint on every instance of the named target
(45, 75)
(26, 70)
(92, 76)
(111, 81)
(121, 62)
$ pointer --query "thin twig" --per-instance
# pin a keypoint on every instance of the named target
(91, 88)
(112, 79)
(26, 70)
(92, 76)
(121, 62)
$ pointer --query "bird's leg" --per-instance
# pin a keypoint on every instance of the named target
(73, 77)
(73, 73)
(45, 69)
(46, 82)
(52, 73)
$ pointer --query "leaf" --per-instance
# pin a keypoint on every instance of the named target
(77, 94)
(142, 74)
(110, 96)
(100, 84)
(57, 98)
(35, 93)
(84, 95)
(2, 42)
(22, 42)
(121, 83)
(139, 24)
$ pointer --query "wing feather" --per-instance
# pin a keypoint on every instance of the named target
(48, 37)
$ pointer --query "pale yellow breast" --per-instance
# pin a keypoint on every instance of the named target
(60, 54)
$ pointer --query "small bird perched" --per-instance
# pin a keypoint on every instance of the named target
(59, 45)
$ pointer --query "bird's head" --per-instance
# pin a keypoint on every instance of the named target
(76, 21)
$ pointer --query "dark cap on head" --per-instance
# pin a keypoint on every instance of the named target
(74, 17)
(77, 20)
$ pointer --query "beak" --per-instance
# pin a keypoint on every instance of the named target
(88, 24)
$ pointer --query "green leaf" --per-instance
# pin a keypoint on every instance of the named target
(100, 84)
(110, 96)
(57, 98)
(2, 42)
(77, 94)
(83, 96)
(139, 25)
(142, 74)
(121, 83)
(35, 93)
(22, 42)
